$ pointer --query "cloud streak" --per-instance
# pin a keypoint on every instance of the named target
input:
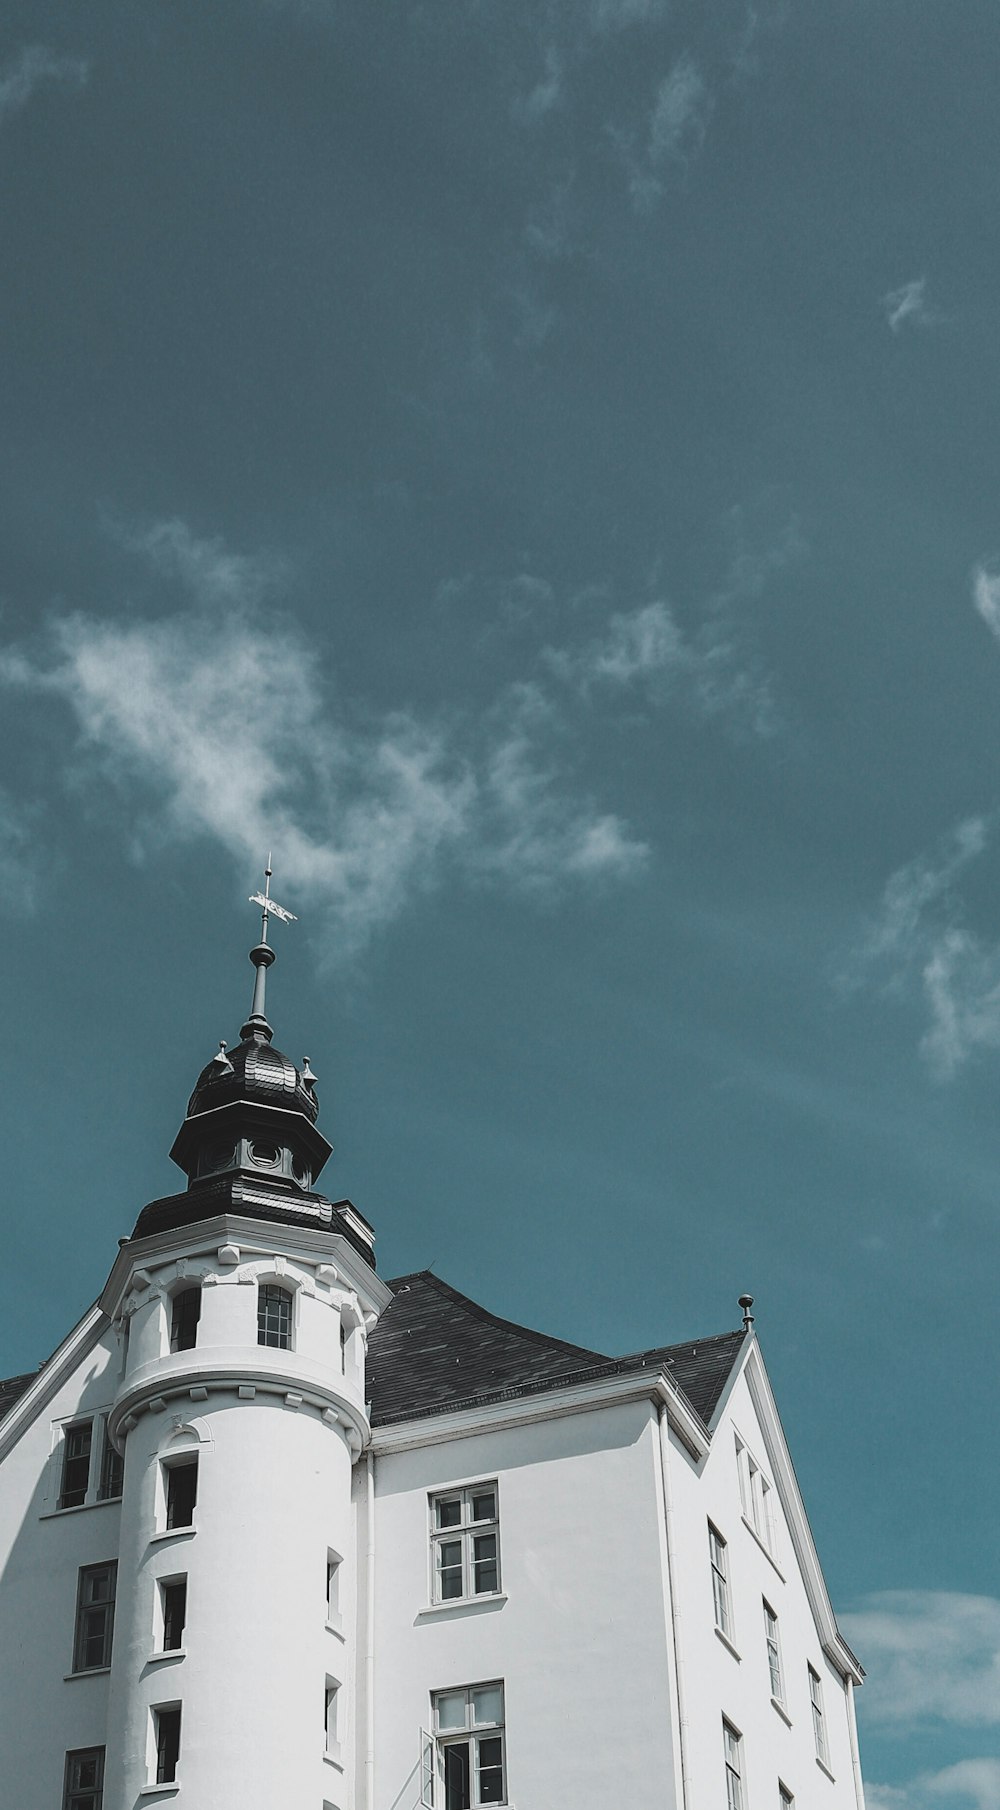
(33, 66)
(675, 132)
(908, 306)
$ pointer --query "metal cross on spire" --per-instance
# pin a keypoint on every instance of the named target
(263, 956)
(269, 907)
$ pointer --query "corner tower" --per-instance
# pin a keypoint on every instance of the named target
(245, 1303)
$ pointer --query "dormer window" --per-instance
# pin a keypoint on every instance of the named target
(267, 1156)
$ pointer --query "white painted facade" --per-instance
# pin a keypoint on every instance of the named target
(605, 1660)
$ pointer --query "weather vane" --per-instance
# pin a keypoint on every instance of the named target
(269, 907)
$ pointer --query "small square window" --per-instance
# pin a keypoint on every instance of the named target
(95, 1617)
(77, 1441)
(84, 1786)
(465, 1543)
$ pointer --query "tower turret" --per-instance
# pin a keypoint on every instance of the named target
(246, 1302)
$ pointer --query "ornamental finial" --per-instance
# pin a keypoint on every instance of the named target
(262, 956)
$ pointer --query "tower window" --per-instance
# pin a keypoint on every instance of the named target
(184, 1317)
(268, 1155)
(330, 1707)
(76, 1464)
(469, 1730)
(167, 1732)
(465, 1543)
(274, 1316)
(182, 1492)
(95, 1617)
(84, 1788)
(173, 1603)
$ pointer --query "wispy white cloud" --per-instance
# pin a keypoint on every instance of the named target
(908, 305)
(986, 597)
(966, 1785)
(918, 944)
(216, 721)
(675, 131)
(29, 69)
(932, 1656)
(547, 94)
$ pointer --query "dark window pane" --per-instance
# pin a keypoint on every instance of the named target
(84, 1779)
(112, 1470)
(168, 1745)
(484, 1507)
(485, 1556)
(457, 1777)
(491, 1770)
(174, 1614)
(182, 1493)
(76, 1465)
(450, 1567)
(449, 1513)
(184, 1320)
(274, 1316)
(95, 1617)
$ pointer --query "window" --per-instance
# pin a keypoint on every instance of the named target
(274, 1316)
(755, 1494)
(167, 1735)
(332, 1588)
(84, 1789)
(173, 1610)
(184, 1317)
(465, 1543)
(732, 1742)
(819, 1723)
(720, 1581)
(468, 1726)
(95, 1617)
(773, 1653)
(785, 1799)
(75, 1464)
(112, 1468)
(330, 1718)
(182, 1492)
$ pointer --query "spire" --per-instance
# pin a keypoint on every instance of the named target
(262, 956)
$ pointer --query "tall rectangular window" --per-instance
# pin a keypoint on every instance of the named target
(773, 1653)
(720, 1581)
(167, 1736)
(173, 1608)
(469, 1731)
(274, 1316)
(84, 1786)
(330, 1714)
(755, 1494)
(182, 1492)
(184, 1317)
(95, 1617)
(785, 1799)
(112, 1468)
(819, 1721)
(332, 1587)
(75, 1464)
(732, 1743)
(465, 1542)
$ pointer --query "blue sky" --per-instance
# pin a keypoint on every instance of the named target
(535, 466)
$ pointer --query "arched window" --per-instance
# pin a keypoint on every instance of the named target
(274, 1316)
(184, 1317)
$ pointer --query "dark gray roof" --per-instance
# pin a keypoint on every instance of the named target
(12, 1389)
(433, 1350)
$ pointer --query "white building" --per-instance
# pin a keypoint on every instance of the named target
(278, 1535)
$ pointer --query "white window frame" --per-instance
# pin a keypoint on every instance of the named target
(772, 1641)
(732, 1753)
(755, 1495)
(464, 1533)
(472, 1734)
(721, 1597)
(818, 1716)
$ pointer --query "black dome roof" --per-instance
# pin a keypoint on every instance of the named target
(254, 1071)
